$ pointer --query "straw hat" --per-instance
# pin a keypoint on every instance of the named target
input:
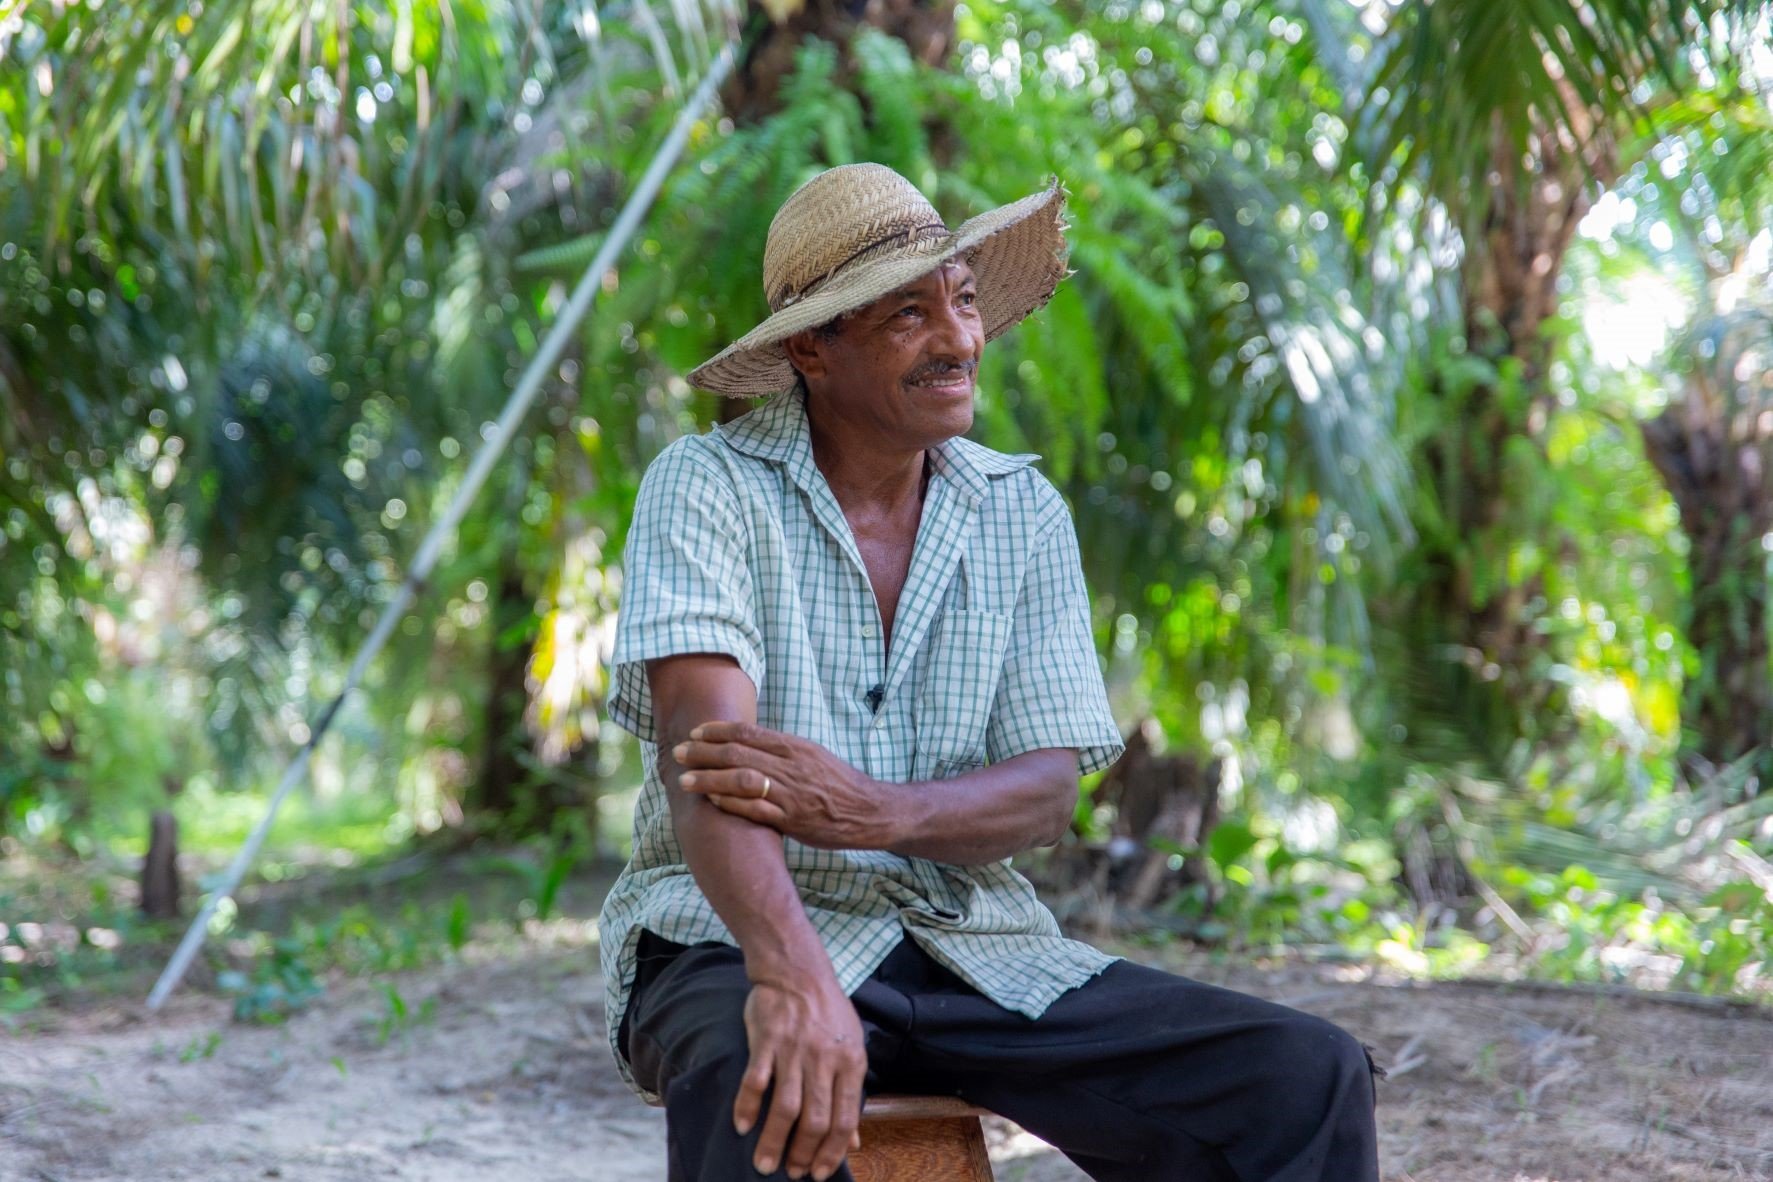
(854, 233)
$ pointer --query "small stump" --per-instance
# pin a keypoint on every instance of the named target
(921, 1139)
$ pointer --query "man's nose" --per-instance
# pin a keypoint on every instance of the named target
(955, 333)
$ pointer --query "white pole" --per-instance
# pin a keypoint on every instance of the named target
(509, 421)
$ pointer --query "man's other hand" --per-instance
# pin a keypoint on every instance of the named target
(806, 1040)
(812, 795)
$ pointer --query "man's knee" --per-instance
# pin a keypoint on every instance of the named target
(1315, 1064)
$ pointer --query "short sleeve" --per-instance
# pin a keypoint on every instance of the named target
(686, 580)
(1051, 693)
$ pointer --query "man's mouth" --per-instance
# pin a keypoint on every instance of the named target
(947, 378)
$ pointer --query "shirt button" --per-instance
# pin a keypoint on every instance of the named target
(880, 722)
(868, 631)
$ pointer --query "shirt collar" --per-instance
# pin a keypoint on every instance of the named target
(778, 431)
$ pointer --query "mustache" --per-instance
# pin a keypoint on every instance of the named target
(934, 369)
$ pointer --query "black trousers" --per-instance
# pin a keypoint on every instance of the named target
(1137, 1076)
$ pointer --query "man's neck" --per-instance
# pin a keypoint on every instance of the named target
(867, 479)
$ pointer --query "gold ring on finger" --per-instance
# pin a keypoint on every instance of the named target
(766, 789)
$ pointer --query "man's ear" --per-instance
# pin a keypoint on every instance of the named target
(805, 355)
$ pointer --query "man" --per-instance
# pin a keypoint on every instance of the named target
(857, 649)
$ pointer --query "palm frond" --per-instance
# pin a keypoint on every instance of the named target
(1457, 84)
(1342, 393)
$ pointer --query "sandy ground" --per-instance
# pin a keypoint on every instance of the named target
(500, 1072)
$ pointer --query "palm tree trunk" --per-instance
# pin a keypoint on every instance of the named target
(502, 794)
(1510, 275)
(160, 868)
(1714, 451)
(925, 26)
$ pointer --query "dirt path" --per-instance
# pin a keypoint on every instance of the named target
(499, 1071)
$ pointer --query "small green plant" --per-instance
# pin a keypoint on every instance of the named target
(542, 880)
(359, 942)
(1722, 944)
(399, 1017)
(459, 924)
(1731, 942)
(201, 1048)
(277, 987)
(1263, 895)
(18, 998)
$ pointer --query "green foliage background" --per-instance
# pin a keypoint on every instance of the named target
(267, 270)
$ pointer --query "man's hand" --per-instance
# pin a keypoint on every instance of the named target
(812, 795)
(804, 1038)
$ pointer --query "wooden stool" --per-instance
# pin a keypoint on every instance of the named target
(921, 1139)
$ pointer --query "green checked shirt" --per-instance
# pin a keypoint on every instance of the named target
(739, 547)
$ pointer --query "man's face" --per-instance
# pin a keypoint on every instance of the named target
(903, 365)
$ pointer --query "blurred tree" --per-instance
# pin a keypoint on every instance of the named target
(257, 293)
(1714, 448)
(1489, 128)
(1713, 442)
(1531, 102)
(926, 27)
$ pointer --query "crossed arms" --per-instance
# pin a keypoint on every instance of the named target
(802, 1031)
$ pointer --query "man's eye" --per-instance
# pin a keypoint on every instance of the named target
(967, 299)
(907, 310)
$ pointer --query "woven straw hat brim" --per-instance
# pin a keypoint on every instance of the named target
(1018, 260)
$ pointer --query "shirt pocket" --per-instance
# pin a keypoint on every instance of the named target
(959, 684)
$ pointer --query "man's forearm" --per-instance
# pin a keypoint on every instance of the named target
(739, 866)
(737, 863)
(986, 815)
